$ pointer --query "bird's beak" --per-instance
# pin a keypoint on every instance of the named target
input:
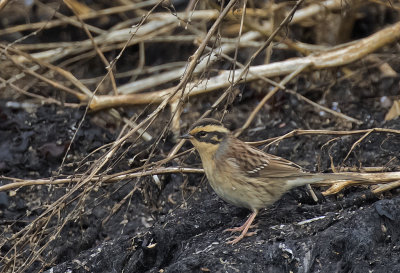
(185, 136)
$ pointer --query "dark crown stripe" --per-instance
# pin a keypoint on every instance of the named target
(205, 122)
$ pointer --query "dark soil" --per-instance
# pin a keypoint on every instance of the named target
(354, 231)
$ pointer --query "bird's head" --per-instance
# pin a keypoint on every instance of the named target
(206, 135)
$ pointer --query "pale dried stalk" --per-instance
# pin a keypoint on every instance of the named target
(370, 179)
(332, 58)
(18, 183)
(165, 19)
(119, 36)
(301, 15)
(386, 187)
(160, 23)
(91, 15)
(140, 85)
(158, 20)
(3, 3)
(66, 74)
(97, 49)
(299, 132)
(69, 20)
(366, 169)
(317, 8)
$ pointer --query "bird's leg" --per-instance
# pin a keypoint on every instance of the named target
(243, 228)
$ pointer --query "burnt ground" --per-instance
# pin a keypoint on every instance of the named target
(176, 225)
(353, 231)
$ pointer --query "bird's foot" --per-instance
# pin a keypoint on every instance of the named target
(240, 237)
(243, 229)
(238, 229)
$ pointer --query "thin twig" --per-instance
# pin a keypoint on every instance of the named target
(369, 178)
(97, 49)
(300, 132)
(323, 108)
(357, 143)
(267, 97)
(333, 58)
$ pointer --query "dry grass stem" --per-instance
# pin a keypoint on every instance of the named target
(299, 132)
(386, 187)
(91, 15)
(370, 179)
(333, 58)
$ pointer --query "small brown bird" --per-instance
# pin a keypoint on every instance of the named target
(243, 175)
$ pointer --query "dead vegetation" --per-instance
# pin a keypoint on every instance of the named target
(96, 57)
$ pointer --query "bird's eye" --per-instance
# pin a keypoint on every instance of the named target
(201, 134)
